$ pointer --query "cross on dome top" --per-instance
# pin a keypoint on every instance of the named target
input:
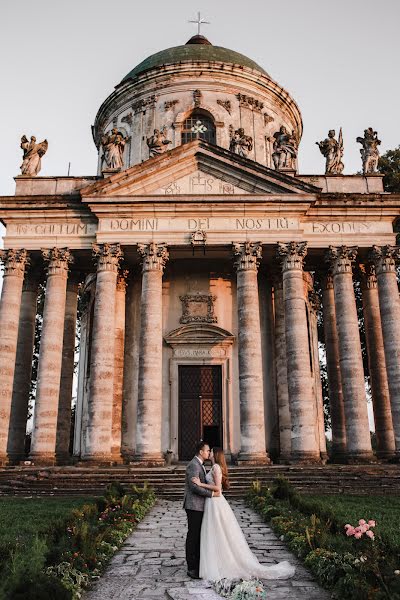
(200, 21)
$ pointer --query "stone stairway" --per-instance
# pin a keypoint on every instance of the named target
(169, 481)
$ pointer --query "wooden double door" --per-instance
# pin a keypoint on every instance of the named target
(200, 407)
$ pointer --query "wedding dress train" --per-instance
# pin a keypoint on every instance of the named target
(224, 552)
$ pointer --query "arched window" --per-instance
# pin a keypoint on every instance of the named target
(199, 126)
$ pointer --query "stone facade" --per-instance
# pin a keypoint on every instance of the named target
(193, 273)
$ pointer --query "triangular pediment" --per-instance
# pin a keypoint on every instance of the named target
(197, 169)
(199, 333)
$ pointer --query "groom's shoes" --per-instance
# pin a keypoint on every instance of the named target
(193, 574)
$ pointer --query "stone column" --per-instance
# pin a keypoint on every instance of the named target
(14, 262)
(314, 304)
(305, 440)
(118, 367)
(149, 410)
(285, 424)
(377, 364)
(351, 365)
(43, 446)
(252, 428)
(98, 437)
(23, 369)
(385, 265)
(338, 422)
(67, 371)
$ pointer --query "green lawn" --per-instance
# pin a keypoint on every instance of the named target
(21, 518)
(385, 510)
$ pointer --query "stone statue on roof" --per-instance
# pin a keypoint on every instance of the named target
(157, 143)
(113, 147)
(284, 149)
(369, 151)
(332, 149)
(33, 153)
(241, 143)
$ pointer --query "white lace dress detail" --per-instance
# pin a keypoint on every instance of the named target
(224, 552)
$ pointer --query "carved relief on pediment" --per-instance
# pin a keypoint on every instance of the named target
(198, 308)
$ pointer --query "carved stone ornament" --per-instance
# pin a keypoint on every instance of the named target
(58, 260)
(144, 103)
(157, 143)
(197, 95)
(113, 149)
(198, 238)
(248, 255)
(226, 104)
(154, 256)
(122, 280)
(108, 256)
(249, 102)
(170, 104)
(198, 308)
(327, 281)
(369, 151)
(368, 276)
(292, 254)
(14, 261)
(127, 119)
(341, 258)
(33, 152)
(240, 143)
(314, 301)
(385, 258)
(333, 150)
(284, 149)
(268, 119)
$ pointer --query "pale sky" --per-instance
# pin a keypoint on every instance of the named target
(60, 60)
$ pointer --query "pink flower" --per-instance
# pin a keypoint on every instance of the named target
(357, 533)
(371, 523)
(370, 534)
(362, 522)
(364, 528)
(350, 531)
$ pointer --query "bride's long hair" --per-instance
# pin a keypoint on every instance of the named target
(219, 458)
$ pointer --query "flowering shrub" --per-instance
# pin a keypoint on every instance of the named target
(239, 589)
(362, 528)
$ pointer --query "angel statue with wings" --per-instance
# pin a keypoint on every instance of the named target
(33, 153)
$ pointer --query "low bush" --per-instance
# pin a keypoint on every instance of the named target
(59, 561)
(359, 562)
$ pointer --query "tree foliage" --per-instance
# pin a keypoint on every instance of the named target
(389, 166)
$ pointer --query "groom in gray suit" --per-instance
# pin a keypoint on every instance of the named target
(193, 503)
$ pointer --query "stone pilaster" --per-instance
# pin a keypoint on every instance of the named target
(314, 306)
(98, 437)
(23, 369)
(67, 371)
(118, 367)
(149, 410)
(305, 440)
(285, 424)
(338, 421)
(14, 262)
(43, 446)
(351, 365)
(385, 259)
(377, 364)
(252, 428)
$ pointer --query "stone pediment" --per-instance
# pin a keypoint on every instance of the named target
(199, 333)
(197, 169)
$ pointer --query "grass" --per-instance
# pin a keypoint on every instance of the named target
(385, 510)
(23, 518)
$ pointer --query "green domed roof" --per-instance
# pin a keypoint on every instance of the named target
(196, 49)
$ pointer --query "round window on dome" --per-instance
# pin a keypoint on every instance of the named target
(198, 127)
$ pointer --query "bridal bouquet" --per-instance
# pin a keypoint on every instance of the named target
(237, 589)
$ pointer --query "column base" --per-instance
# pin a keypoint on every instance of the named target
(360, 458)
(97, 460)
(45, 460)
(284, 458)
(253, 458)
(305, 458)
(4, 460)
(387, 455)
(155, 459)
(64, 459)
(338, 458)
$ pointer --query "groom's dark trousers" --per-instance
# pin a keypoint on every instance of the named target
(193, 503)
(194, 518)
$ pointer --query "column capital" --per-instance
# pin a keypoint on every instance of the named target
(314, 300)
(154, 256)
(14, 261)
(385, 258)
(122, 280)
(368, 276)
(108, 256)
(58, 260)
(291, 255)
(341, 258)
(248, 255)
(327, 280)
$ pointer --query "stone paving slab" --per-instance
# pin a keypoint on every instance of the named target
(151, 563)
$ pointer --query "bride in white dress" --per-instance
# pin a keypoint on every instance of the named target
(224, 553)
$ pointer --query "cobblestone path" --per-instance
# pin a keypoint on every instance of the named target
(151, 563)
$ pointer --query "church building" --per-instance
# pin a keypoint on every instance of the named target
(199, 261)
